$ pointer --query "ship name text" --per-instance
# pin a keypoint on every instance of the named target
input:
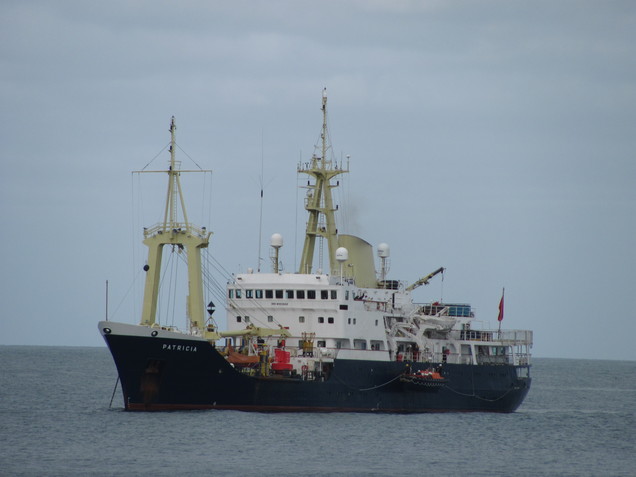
(173, 347)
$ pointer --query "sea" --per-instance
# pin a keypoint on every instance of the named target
(61, 414)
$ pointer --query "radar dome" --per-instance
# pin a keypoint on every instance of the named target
(276, 241)
(383, 250)
(342, 254)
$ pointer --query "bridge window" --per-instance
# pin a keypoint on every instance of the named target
(269, 293)
(238, 293)
(334, 294)
(249, 293)
(311, 294)
(300, 294)
(230, 293)
(279, 294)
(359, 344)
(259, 294)
(376, 345)
(290, 294)
(324, 294)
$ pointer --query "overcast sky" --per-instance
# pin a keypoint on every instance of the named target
(494, 138)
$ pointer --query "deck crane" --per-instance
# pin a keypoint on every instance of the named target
(424, 280)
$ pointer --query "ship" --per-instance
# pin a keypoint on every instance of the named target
(350, 340)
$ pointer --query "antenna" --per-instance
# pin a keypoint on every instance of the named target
(342, 255)
(276, 242)
(260, 224)
(384, 252)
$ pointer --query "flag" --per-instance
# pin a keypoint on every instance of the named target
(501, 306)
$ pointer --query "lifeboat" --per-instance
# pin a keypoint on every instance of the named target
(425, 378)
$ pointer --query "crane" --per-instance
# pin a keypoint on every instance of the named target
(424, 280)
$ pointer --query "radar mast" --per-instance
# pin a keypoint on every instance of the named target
(319, 202)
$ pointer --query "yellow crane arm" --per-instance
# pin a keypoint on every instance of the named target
(424, 280)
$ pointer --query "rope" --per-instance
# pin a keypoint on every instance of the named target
(371, 388)
(195, 162)
(151, 160)
(381, 385)
(113, 396)
(479, 397)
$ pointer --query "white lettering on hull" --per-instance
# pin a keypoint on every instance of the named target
(184, 348)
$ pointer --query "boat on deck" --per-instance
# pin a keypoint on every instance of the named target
(347, 340)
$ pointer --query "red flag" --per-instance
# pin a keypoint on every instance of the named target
(501, 307)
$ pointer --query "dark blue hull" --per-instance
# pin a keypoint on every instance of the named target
(189, 374)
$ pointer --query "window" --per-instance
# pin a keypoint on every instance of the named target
(354, 321)
(334, 294)
(290, 294)
(347, 295)
(269, 293)
(359, 344)
(348, 321)
(321, 319)
(324, 294)
(238, 319)
(330, 320)
(230, 293)
(301, 319)
(279, 294)
(247, 319)
(344, 307)
(249, 293)
(270, 318)
(300, 294)
(376, 322)
(259, 294)
(238, 293)
(311, 294)
(376, 345)
(321, 343)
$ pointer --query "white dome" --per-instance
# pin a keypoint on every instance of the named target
(276, 241)
(342, 254)
(383, 250)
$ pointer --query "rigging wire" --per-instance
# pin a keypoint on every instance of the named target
(188, 156)
(130, 287)
(298, 177)
(156, 156)
(217, 290)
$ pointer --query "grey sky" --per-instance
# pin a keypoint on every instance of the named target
(494, 138)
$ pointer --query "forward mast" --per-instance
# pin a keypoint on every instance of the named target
(183, 235)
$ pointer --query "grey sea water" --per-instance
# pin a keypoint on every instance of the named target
(578, 420)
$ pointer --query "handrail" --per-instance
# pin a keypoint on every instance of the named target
(176, 227)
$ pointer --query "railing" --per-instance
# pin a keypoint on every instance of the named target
(175, 227)
(507, 337)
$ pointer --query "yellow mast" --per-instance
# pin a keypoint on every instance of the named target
(319, 201)
(185, 236)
